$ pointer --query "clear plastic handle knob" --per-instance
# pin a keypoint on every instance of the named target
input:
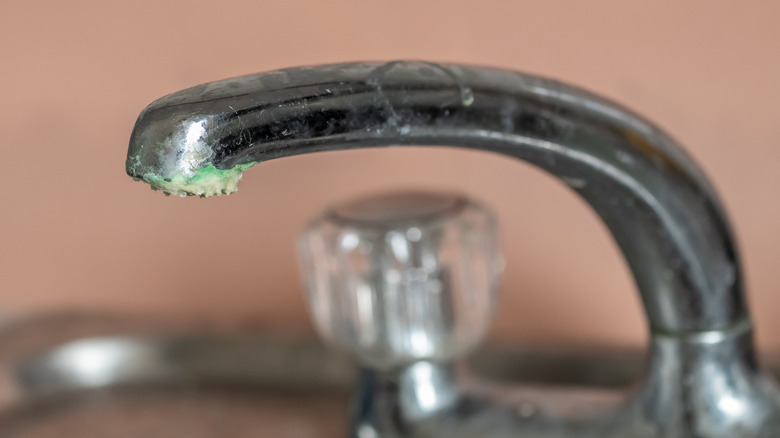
(402, 277)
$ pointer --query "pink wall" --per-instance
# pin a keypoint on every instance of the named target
(76, 233)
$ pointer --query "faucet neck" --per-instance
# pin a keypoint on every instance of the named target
(658, 205)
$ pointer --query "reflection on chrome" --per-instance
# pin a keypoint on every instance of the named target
(659, 207)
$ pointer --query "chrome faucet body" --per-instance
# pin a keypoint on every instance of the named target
(702, 378)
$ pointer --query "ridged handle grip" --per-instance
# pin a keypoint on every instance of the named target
(402, 277)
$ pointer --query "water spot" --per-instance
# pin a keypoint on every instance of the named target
(466, 96)
(624, 157)
(507, 116)
(575, 183)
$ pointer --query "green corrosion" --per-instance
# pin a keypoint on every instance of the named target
(206, 181)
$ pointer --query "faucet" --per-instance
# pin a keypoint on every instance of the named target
(702, 378)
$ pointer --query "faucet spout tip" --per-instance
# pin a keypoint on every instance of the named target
(176, 155)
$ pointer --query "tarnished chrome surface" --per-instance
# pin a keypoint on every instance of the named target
(207, 382)
(702, 378)
(118, 377)
(152, 378)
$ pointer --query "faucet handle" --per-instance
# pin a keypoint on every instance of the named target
(402, 277)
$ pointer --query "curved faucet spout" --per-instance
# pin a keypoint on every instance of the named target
(659, 207)
(702, 377)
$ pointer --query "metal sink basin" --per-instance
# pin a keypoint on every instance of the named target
(100, 377)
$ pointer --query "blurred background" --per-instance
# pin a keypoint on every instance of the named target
(77, 234)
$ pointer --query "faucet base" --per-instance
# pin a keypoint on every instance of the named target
(703, 385)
